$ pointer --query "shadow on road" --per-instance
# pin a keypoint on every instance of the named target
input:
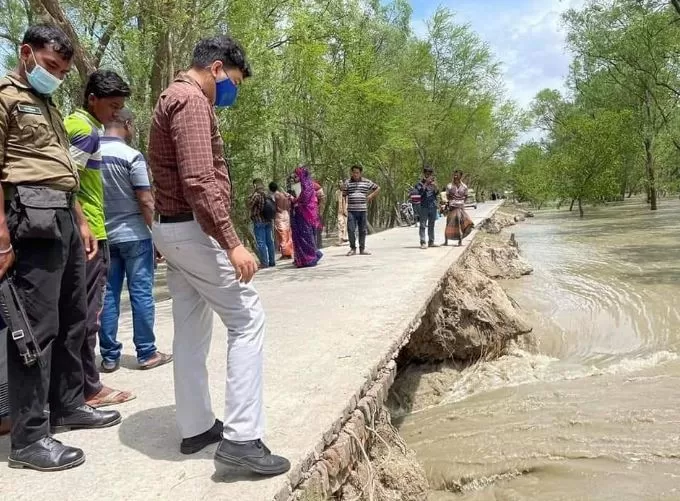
(153, 432)
(4, 449)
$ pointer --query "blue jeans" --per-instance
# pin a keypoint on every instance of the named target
(428, 217)
(357, 222)
(264, 237)
(134, 261)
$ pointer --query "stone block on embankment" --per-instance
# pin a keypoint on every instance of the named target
(330, 331)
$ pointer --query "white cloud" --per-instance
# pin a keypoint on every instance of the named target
(527, 37)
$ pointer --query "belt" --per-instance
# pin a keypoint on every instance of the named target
(39, 197)
(178, 218)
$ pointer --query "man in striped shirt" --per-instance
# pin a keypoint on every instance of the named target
(360, 191)
(105, 95)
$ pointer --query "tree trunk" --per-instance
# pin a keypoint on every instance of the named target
(571, 207)
(50, 11)
(159, 72)
(275, 159)
(676, 5)
(651, 178)
(580, 207)
(649, 156)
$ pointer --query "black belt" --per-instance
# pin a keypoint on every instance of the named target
(179, 218)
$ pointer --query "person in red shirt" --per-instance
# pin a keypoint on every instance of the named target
(209, 269)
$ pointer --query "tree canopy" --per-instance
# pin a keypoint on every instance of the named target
(617, 131)
(335, 83)
(346, 82)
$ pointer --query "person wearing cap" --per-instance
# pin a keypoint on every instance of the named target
(429, 193)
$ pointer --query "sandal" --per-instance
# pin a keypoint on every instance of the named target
(156, 360)
(113, 397)
(353, 252)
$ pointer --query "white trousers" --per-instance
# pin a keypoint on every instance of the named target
(202, 281)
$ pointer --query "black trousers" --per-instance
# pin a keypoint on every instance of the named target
(49, 274)
(357, 222)
(96, 270)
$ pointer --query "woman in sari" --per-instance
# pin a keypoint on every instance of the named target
(305, 221)
(458, 223)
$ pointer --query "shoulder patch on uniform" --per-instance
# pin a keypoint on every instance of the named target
(30, 109)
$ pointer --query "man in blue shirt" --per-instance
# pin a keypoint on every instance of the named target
(429, 195)
(129, 208)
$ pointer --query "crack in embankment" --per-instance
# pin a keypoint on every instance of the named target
(469, 319)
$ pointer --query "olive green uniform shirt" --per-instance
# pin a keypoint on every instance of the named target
(34, 147)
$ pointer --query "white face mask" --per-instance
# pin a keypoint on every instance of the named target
(42, 81)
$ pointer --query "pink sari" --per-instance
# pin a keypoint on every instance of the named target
(305, 222)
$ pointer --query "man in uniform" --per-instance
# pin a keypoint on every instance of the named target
(44, 243)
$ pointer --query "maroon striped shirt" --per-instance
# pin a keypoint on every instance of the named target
(186, 157)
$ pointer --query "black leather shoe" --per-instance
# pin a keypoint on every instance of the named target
(253, 456)
(46, 454)
(194, 444)
(84, 418)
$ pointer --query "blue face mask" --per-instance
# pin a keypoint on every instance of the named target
(226, 93)
(42, 81)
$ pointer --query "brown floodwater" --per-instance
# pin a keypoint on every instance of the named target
(594, 412)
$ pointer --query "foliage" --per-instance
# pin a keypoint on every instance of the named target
(619, 130)
(335, 83)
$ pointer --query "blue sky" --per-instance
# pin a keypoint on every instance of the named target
(525, 35)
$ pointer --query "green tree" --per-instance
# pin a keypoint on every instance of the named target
(335, 83)
(634, 45)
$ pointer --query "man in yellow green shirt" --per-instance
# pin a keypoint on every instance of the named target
(105, 95)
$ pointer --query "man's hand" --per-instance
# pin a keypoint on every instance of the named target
(244, 263)
(7, 258)
(89, 242)
(159, 257)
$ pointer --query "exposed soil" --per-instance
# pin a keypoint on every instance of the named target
(390, 470)
(471, 319)
(497, 258)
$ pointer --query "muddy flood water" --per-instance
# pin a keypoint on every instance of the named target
(593, 412)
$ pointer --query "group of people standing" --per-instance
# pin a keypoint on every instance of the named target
(458, 222)
(78, 217)
(76, 212)
(290, 222)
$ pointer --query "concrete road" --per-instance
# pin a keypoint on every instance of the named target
(328, 328)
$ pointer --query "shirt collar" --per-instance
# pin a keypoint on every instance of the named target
(21, 83)
(184, 77)
(112, 139)
(87, 116)
(18, 81)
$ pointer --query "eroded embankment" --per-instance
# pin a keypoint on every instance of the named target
(469, 319)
